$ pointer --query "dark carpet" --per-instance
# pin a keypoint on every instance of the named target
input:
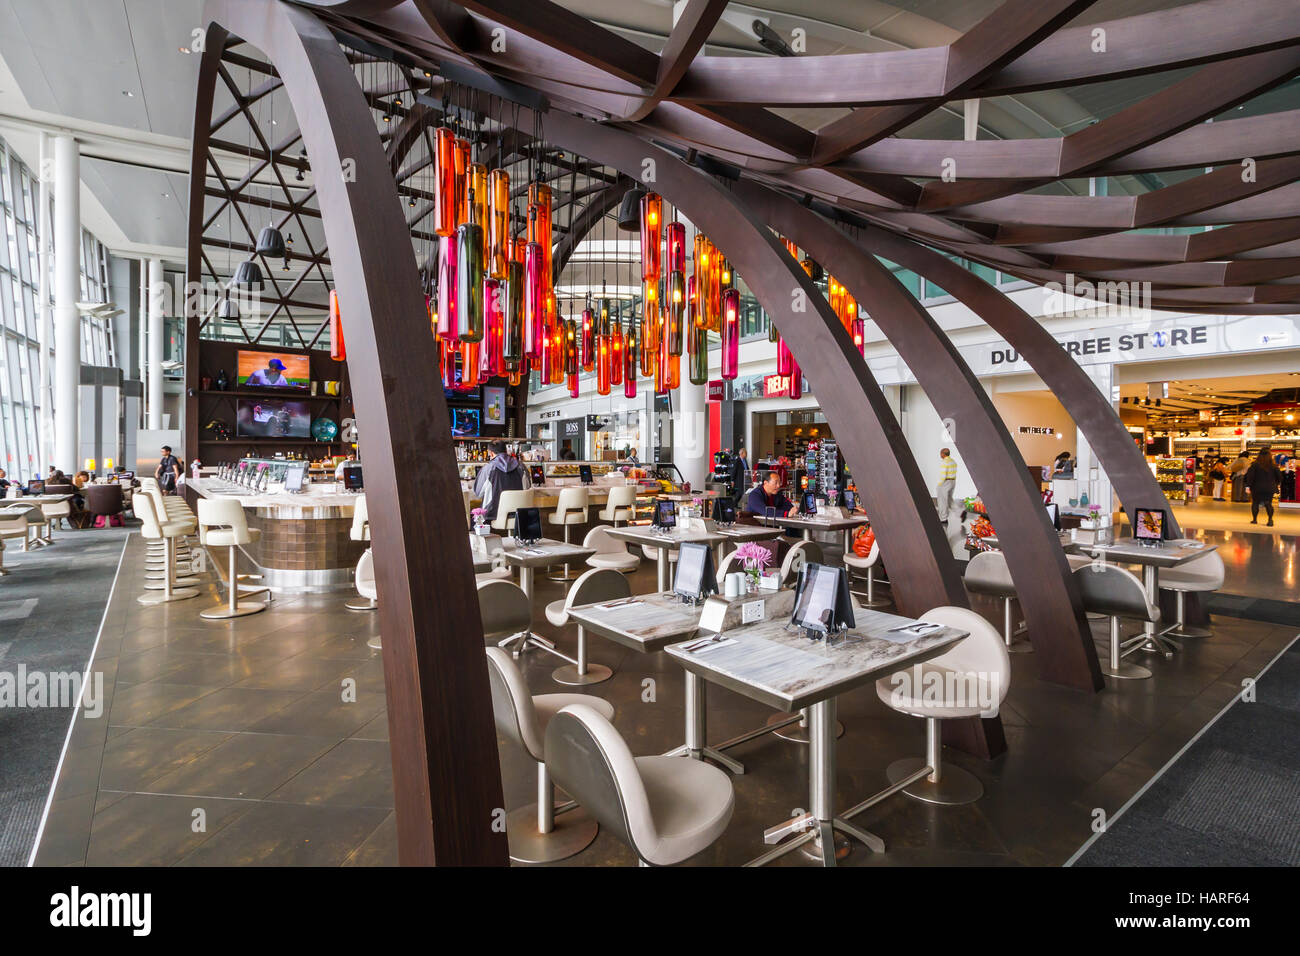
(1232, 799)
(1256, 609)
(50, 608)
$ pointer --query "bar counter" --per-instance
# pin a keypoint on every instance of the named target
(305, 543)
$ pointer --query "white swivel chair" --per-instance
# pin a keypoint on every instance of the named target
(570, 509)
(160, 529)
(539, 832)
(620, 505)
(360, 531)
(987, 573)
(598, 584)
(511, 501)
(804, 552)
(969, 680)
(665, 808)
(223, 524)
(366, 587)
(1118, 593)
(13, 524)
(507, 614)
(853, 562)
(1201, 574)
(610, 551)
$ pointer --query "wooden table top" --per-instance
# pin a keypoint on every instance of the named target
(779, 667)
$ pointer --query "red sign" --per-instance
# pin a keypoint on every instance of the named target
(776, 386)
(717, 390)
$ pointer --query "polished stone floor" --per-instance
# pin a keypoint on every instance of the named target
(230, 743)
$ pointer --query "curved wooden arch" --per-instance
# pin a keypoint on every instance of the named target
(1051, 602)
(446, 778)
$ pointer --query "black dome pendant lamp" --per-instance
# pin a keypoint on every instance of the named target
(229, 308)
(629, 210)
(249, 275)
(270, 243)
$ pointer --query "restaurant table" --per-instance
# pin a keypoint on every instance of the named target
(1166, 554)
(776, 665)
(664, 543)
(32, 504)
(688, 496)
(649, 622)
(540, 554)
(817, 523)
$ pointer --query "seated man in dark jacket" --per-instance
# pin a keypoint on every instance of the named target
(502, 473)
(769, 495)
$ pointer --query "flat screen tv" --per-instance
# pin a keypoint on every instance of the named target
(273, 370)
(465, 422)
(272, 418)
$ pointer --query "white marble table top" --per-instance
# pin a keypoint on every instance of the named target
(648, 622)
(672, 541)
(1167, 555)
(816, 522)
(781, 668)
(542, 553)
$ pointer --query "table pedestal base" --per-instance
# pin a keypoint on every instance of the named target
(780, 725)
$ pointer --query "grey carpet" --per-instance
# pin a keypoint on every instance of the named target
(50, 608)
(1256, 609)
(1232, 799)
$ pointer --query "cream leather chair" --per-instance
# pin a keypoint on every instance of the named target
(1118, 593)
(804, 552)
(598, 584)
(507, 614)
(853, 562)
(987, 573)
(161, 529)
(12, 526)
(538, 832)
(620, 505)
(170, 508)
(360, 531)
(667, 809)
(55, 512)
(223, 524)
(610, 553)
(366, 587)
(970, 680)
(511, 501)
(570, 509)
(1202, 575)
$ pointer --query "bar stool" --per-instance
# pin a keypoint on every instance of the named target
(158, 529)
(222, 524)
(539, 832)
(511, 501)
(1201, 574)
(665, 808)
(610, 551)
(620, 505)
(853, 562)
(938, 690)
(987, 573)
(360, 531)
(505, 609)
(158, 560)
(366, 587)
(598, 584)
(570, 509)
(1117, 593)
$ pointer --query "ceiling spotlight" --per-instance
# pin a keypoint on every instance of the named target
(128, 93)
(183, 49)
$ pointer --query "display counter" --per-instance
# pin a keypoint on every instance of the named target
(305, 542)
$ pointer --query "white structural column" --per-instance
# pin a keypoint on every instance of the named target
(44, 394)
(142, 351)
(691, 436)
(67, 289)
(1091, 476)
(157, 298)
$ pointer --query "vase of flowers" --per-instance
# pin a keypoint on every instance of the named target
(755, 558)
(480, 521)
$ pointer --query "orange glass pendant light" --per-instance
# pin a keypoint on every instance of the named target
(652, 231)
(498, 223)
(338, 351)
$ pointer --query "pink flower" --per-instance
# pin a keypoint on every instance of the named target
(755, 556)
(478, 512)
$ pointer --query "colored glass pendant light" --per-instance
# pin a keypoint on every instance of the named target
(494, 321)
(604, 358)
(447, 291)
(444, 185)
(652, 231)
(469, 277)
(499, 243)
(534, 300)
(860, 336)
(462, 180)
(469, 364)
(449, 351)
(338, 350)
(616, 352)
(650, 319)
(476, 181)
(730, 333)
(784, 358)
(587, 343)
(540, 213)
(630, 360)
(698, 355)
(512, 345)
(796, 379)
